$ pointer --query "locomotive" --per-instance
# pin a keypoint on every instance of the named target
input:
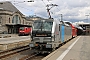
(48, 34)
(24, 31)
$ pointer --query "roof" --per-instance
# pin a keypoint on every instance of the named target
(8, 6)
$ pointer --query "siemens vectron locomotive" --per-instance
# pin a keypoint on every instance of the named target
(48, 34)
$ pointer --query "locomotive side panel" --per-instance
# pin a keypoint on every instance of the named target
(62, 33)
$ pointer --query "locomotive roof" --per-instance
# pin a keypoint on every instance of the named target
(43, 20)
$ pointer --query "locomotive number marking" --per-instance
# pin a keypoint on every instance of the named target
(41, 35)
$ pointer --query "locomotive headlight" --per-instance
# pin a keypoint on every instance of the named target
(48, 46)
(31, 45)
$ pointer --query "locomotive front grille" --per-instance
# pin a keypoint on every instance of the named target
(42, 39)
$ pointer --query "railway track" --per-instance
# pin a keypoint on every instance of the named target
(31, 56)
(34, 56)
(5, 54)
(38, 56)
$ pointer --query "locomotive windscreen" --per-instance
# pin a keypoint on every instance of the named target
(43, 25)
(42, 28)
(21, 28)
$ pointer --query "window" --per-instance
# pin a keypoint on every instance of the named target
(16, 19)
(21, 28)
(9, 20)
(23, 21)
(45, 26)
(0, 19)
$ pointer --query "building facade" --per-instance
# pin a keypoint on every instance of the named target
(11, 18)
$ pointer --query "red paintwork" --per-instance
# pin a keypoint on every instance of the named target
(74, 31)
(24, 30)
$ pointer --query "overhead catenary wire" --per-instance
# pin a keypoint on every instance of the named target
(43, 2)
(56, 8)
(48, 7)
(23, 1)
(17, 2)
(27, 9)
(22, 7)
(53, 13)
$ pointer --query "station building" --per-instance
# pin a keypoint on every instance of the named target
(11, 18)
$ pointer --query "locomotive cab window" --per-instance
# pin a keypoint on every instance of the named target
(47, 26)
(43, 25)
(21, 28)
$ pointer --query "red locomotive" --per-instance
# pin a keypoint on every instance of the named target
(24, 31)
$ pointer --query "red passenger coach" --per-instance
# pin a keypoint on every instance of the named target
(74, 29)
(24, 30)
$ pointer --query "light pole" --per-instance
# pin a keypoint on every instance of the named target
(87, 17)
(61, 17)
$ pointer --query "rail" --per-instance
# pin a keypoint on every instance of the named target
(8, 53)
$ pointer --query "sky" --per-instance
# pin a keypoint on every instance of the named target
(71, 10)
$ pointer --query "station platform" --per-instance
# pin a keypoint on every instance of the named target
(76, 49)
(8, 35)
(13, 42)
